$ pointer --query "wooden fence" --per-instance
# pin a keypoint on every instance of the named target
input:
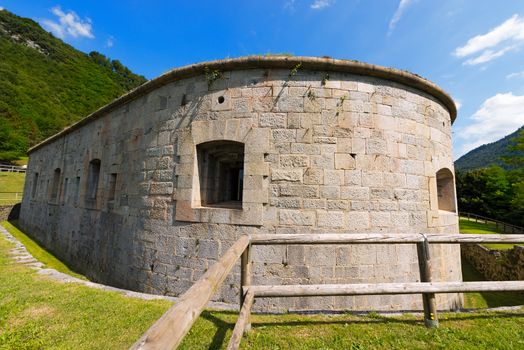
(12, 168)
(500, 225)
(10, 197)
(170, 329)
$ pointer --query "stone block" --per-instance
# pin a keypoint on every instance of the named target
(303, 191)
(354, 193)
(330, 192)
(161, 188)
(333, 177)
(284, 135)
(358, 220)
(296, 217)
(331, 219)
(292, 175)
(273, 120)
(314, 176)
(294, 161)
(372, 179)
(380, 219)
(305, 148)
(353, 177)
(344, 161)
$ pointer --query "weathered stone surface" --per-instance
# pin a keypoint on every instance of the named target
(352, 154)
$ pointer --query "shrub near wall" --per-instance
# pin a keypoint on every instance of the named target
(496, 265)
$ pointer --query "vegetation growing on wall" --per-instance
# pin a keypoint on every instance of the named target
(46, 84)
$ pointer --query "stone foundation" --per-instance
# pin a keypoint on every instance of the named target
(496, 265)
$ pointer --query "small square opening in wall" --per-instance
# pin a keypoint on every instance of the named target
(220, 174)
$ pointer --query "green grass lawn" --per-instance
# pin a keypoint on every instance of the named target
(42, 255)
(467, 226)
(39, 313)
(10, 183)
(482, 300)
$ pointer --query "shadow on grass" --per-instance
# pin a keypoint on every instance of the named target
(493, 299)
(222, 326)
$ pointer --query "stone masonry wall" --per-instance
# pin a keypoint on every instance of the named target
(496, 265)
(324, 152)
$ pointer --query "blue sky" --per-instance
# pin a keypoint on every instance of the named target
(474, 49)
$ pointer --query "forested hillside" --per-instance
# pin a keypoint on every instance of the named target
(493, 191)
(487, 155)
(46, 84)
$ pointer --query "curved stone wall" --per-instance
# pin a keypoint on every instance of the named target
(324, 147)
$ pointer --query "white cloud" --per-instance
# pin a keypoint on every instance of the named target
(498, 116)
(515, 75)
(1, 8)
(69, 24)
(320, 4)
(501, 39)
(488, 55)
(110, 42)
(458, 104)
(403, 4)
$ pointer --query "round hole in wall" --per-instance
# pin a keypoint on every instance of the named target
(221, 99)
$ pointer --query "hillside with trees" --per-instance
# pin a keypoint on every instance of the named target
(488, 154)
(46, 84)
(494, 191)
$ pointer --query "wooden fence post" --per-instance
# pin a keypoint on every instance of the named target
(428, 299)
(245, 280)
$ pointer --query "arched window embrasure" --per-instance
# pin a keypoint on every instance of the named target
(93, 177)
(55, 186)
(446, 190)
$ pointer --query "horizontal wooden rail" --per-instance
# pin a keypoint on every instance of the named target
(169, 330)
(380, 238)
(384, 288)
(12, 169)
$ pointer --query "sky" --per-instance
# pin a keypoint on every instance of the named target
(473, 49)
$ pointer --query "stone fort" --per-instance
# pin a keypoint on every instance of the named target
(147, 192)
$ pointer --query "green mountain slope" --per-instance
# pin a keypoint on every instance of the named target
(487, 155)
(46, 84)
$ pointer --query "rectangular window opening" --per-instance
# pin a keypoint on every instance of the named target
(77, 191)
(35, 186)
(221, 173)
(92, 180)
(64, 195)
(112, 187)
(55, 188)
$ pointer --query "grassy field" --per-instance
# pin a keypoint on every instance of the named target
(42, 255)
(482, 300)
(38, 313)
(467, 226)
(9, 184)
